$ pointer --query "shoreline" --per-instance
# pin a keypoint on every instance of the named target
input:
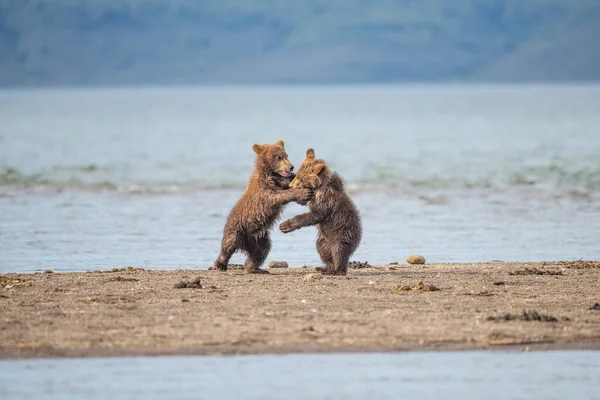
(134, 312)
(228, 351)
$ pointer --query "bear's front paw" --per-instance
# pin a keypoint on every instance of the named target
(219, 266)
(287, 226)
(304, 196)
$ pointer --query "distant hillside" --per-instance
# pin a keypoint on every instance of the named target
(98, 42)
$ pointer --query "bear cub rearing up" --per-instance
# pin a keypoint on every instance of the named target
(334, 213)
(248, 224)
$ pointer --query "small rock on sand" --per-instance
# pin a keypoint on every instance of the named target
(419, 287)
(530, 315)
(415, 259)
(358, 264)
(195, 284)
(312, 277)
(8, 283)
(278, 264)
(534, 271)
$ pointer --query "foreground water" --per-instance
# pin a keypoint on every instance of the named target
(96, 179)
(449, 375)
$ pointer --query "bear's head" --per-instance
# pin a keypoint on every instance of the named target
(273, 158)
(313, 173)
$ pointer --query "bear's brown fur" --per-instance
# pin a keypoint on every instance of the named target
(331, 209)
(248, 224)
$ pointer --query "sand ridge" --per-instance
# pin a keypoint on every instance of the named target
(381, 308)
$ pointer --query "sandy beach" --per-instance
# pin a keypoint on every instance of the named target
(130, 311)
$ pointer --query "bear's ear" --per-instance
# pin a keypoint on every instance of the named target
(280, 143)
(258, 148)
(320, 168)
(310, 153)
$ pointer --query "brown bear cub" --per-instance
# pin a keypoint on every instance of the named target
(248, 224)
(334, 213)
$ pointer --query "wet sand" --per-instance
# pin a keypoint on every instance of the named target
(530, 306)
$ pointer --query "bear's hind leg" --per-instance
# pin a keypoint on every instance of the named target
(341, 256)
(324, 249)
(258, 249)
(228, 247)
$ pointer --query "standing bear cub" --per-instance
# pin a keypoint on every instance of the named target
(334, 213)
(249, 222)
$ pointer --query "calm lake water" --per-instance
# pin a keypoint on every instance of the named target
(448, 375)
(96, 179)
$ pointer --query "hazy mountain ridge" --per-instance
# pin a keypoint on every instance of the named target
(70, 42)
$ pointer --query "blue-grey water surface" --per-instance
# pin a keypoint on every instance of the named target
(102, 178)
(449, 375)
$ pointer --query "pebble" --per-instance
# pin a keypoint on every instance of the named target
(278, 264)
(195, 284)
(358, 264)
(420, 287)
(312, 277)
(415, 259)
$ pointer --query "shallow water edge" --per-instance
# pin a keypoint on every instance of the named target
(423, 375)
(591, 345)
